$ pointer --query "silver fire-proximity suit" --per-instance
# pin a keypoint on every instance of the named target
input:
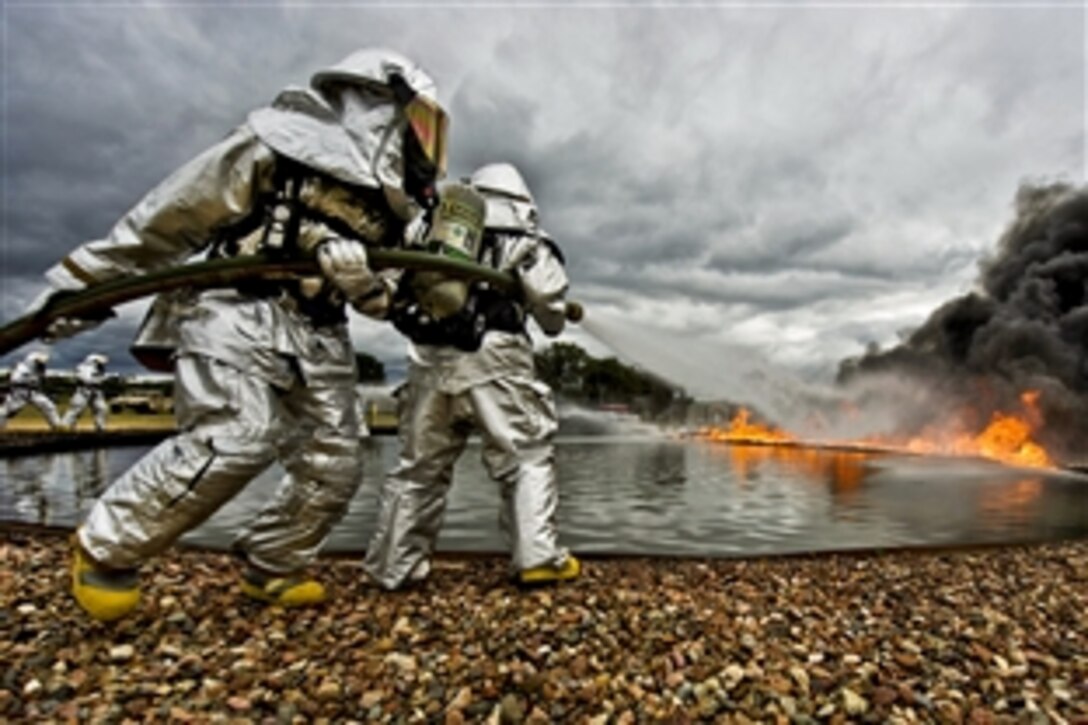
(265, 371)
(26, 387)
(453, 390)
(89, 377)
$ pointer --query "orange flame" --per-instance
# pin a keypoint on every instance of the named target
(741, 430)
(1007, 437)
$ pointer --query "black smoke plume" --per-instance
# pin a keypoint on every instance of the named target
(1025, 326)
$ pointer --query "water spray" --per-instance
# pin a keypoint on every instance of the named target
(712, 370)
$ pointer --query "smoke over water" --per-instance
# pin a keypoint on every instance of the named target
(1024, 328)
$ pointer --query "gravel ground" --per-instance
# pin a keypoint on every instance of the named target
(995, 635)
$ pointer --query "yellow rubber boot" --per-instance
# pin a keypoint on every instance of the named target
(570, 569)
(285, 591)
(105, 594)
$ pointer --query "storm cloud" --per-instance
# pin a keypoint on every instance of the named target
(806, 180)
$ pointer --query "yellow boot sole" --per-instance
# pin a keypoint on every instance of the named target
(103, 594)
(571, 569)
(285, 591)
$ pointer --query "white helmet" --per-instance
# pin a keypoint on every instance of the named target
(371, 119)
(375, 68)
(510, 204)
(503, 179)
(96, 358)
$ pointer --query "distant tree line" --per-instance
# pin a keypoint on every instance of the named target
(371, 369)
(580, 378)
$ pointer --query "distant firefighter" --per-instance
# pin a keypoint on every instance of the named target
(26, 387)
(89, 377)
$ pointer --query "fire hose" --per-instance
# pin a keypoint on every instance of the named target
(97, 300)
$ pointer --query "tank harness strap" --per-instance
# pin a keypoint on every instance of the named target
(285, 215)
(277, 217)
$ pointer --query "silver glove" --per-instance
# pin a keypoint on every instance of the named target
(344, 262)
(376, 302)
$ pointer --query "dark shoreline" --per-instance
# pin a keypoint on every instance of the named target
(990, 635)
(33, 442)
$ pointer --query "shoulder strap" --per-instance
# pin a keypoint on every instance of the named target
(282, 223)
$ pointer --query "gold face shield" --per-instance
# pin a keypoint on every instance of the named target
(429, 125)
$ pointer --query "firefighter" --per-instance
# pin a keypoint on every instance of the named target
(265, 370)
(89, 377)
(26, 387)
(473, 370)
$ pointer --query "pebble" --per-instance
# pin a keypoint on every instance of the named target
(329, 690)
(897, 637)
(462, 699)
(238, 703)
(800, 676)
(511, 709)
(732, 675)
(853, 703)
(122, 653)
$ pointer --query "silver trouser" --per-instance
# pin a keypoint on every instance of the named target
(82, 398)
(234, 425)
(516, 419)
(18, 398)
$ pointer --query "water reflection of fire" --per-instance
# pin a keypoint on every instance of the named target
(1014, 499)
(844, 471)
(1008, 437)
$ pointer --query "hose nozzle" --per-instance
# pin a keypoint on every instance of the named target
(574, 311)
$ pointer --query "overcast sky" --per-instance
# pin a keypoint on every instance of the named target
(801, 178)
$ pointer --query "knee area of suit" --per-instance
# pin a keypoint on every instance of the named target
(337, 459)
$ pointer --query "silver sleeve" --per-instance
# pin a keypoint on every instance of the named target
(178, 217)
(544, 283)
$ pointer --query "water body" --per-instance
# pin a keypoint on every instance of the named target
(653, 495)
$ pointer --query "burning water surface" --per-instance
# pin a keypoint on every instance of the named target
(1007, 438)
(1000, 373)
